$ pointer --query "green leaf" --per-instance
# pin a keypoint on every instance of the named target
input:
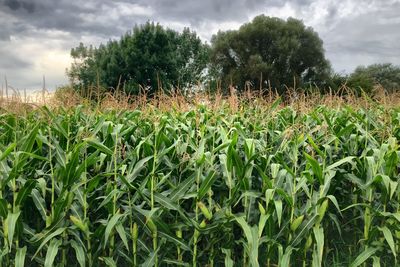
(278, 208)
(275, 104)
(394, 215)
(28, 143)
(110, 226)
(11, 225)
(319, 239)
(122, 234)
(48, 237)
(261, 223)
(346, 130)
(55, 122)
(25, 191)
(176, 263)
(39, 202)
(304, 230)
(109, 261)
(3, 208)
(8, 150)
(315, 165)
(131, 176)
(165, 202)
(335, 202)
(99, 146)
(178, 241)
(181, 189)
(52, 252)
(108, 198)
(376, 262)
(33, 156)
(285, 261)
(149, 262)
(206, 185)
(251, 234)
(314, 146)
(254, 246)
(79, 252)
(228, 257)
(389, 239)
(269, 193)
(365, 255)
(20, 257)
(246, 228)
(340, 162)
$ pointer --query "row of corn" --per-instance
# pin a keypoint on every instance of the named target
(265, 186)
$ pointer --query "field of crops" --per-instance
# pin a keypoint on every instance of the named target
(262, 186)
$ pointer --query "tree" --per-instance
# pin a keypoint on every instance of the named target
(270, 50)
(387, 75)
(80, 71)
(150, 56)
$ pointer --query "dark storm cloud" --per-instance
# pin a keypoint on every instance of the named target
(62, 15)
(16, 4)
(71, 16)
(354, 32)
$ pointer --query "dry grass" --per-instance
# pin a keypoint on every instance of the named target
(22, 101)
(176, 100)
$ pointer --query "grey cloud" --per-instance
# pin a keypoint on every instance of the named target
(4, 35)
(372, 37)
(11, 61)
(62, 15)
(368, 36)
(195, 12)
(71, 16)
(17, 4)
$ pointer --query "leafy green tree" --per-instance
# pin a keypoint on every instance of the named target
(360, 81)
(80, 71)
(387, 75)
(149, 57)
(270, 50)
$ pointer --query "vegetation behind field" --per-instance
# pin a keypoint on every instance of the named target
(267, 53)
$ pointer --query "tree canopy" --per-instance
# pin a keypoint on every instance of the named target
(266, 52)
(270, 50)
(149, 56)
(387, 75)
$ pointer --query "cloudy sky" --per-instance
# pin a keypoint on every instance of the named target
(36, 35)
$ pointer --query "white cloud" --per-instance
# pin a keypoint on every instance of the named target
(207, 29)
(43, 56)
(284, 12)
(128, 9)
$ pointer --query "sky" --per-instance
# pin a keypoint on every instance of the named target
(36, 36)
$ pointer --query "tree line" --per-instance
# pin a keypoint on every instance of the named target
(267, 52)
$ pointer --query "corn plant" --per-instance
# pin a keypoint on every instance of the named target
(261, 186)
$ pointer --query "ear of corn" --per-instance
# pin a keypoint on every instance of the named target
(266, 187)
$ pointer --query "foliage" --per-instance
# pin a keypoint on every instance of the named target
(150, 56)
(367, 78)
(360, 81)
(263, 186)
(270, 50)
(386, 75)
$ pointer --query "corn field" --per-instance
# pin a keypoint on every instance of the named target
(255, 187)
